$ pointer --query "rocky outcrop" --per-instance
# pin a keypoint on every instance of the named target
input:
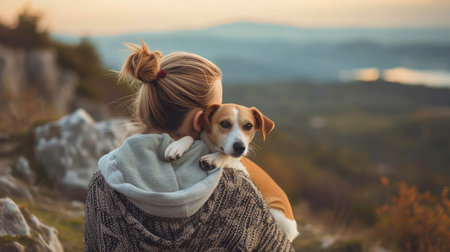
(12, 222)
(13, 74)
(69, 149)
(47, 236)
(21, 70)
(22, 170)
(11, 187)
(25, 232)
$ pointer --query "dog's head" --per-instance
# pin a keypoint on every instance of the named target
(230, 128)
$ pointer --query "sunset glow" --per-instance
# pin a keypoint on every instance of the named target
(85, 17)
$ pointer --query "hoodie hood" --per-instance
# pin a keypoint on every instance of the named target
(176, 189)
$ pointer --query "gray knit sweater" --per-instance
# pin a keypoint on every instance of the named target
(234, 218)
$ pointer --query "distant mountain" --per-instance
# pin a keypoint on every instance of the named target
(252, 53)
(251, 31)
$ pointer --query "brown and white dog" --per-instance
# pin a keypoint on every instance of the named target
(228, 130)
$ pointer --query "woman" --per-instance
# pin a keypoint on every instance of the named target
(140, 202)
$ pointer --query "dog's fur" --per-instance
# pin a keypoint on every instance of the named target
(228, 130)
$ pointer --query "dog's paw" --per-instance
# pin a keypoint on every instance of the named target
(205, 165)
(177, 148)
(212, 161)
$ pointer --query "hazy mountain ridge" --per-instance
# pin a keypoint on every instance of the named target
(252, 31)
(251, 53)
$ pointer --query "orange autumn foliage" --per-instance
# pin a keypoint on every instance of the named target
(416, 222)
(384, 181)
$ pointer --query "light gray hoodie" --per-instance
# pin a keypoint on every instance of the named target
(138, 170)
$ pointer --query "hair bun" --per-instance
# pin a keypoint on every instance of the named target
(141, 64)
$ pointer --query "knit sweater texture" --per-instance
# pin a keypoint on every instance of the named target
(234, 218)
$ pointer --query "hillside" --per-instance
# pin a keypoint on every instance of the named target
(333, 143)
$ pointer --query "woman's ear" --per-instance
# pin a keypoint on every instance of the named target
(196, 121)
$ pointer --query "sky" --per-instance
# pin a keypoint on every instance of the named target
(104, 17)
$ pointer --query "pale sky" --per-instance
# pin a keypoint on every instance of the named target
(92, 17)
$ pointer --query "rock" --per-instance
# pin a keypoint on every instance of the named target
(47, 236)
(13, 247)
(22, 71)
(69, 149)
(11, 187)
(43, 71)
(22, 170)
(327, 241)
(78, 205)
(22, 166)
(12, 70)
(66, 91)
(8, 150)
(12, 222)
(19, 232)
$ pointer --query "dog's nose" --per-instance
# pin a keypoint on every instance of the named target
(238, 148)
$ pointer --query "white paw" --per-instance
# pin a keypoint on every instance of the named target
(212, 161)
(177, 148)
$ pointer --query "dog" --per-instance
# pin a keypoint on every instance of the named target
(228, 130)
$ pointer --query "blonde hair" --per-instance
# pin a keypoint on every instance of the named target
(162, 102)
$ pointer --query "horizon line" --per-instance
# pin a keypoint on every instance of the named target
(251, 22)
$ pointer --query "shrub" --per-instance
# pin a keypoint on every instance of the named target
(416, 222)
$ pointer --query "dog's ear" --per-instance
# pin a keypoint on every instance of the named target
(205, 119)
(264, 124)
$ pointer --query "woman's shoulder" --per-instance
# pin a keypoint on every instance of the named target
(237, 185)
(99, 192)
(236, 178)
(97, 181)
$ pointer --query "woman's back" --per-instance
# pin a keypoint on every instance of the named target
(233, 219)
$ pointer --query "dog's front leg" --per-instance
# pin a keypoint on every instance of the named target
(177, 148)
(214, 160)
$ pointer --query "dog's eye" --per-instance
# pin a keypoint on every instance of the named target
(248, 126)
(225, 124)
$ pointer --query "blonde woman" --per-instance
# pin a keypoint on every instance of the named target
(140, 202)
